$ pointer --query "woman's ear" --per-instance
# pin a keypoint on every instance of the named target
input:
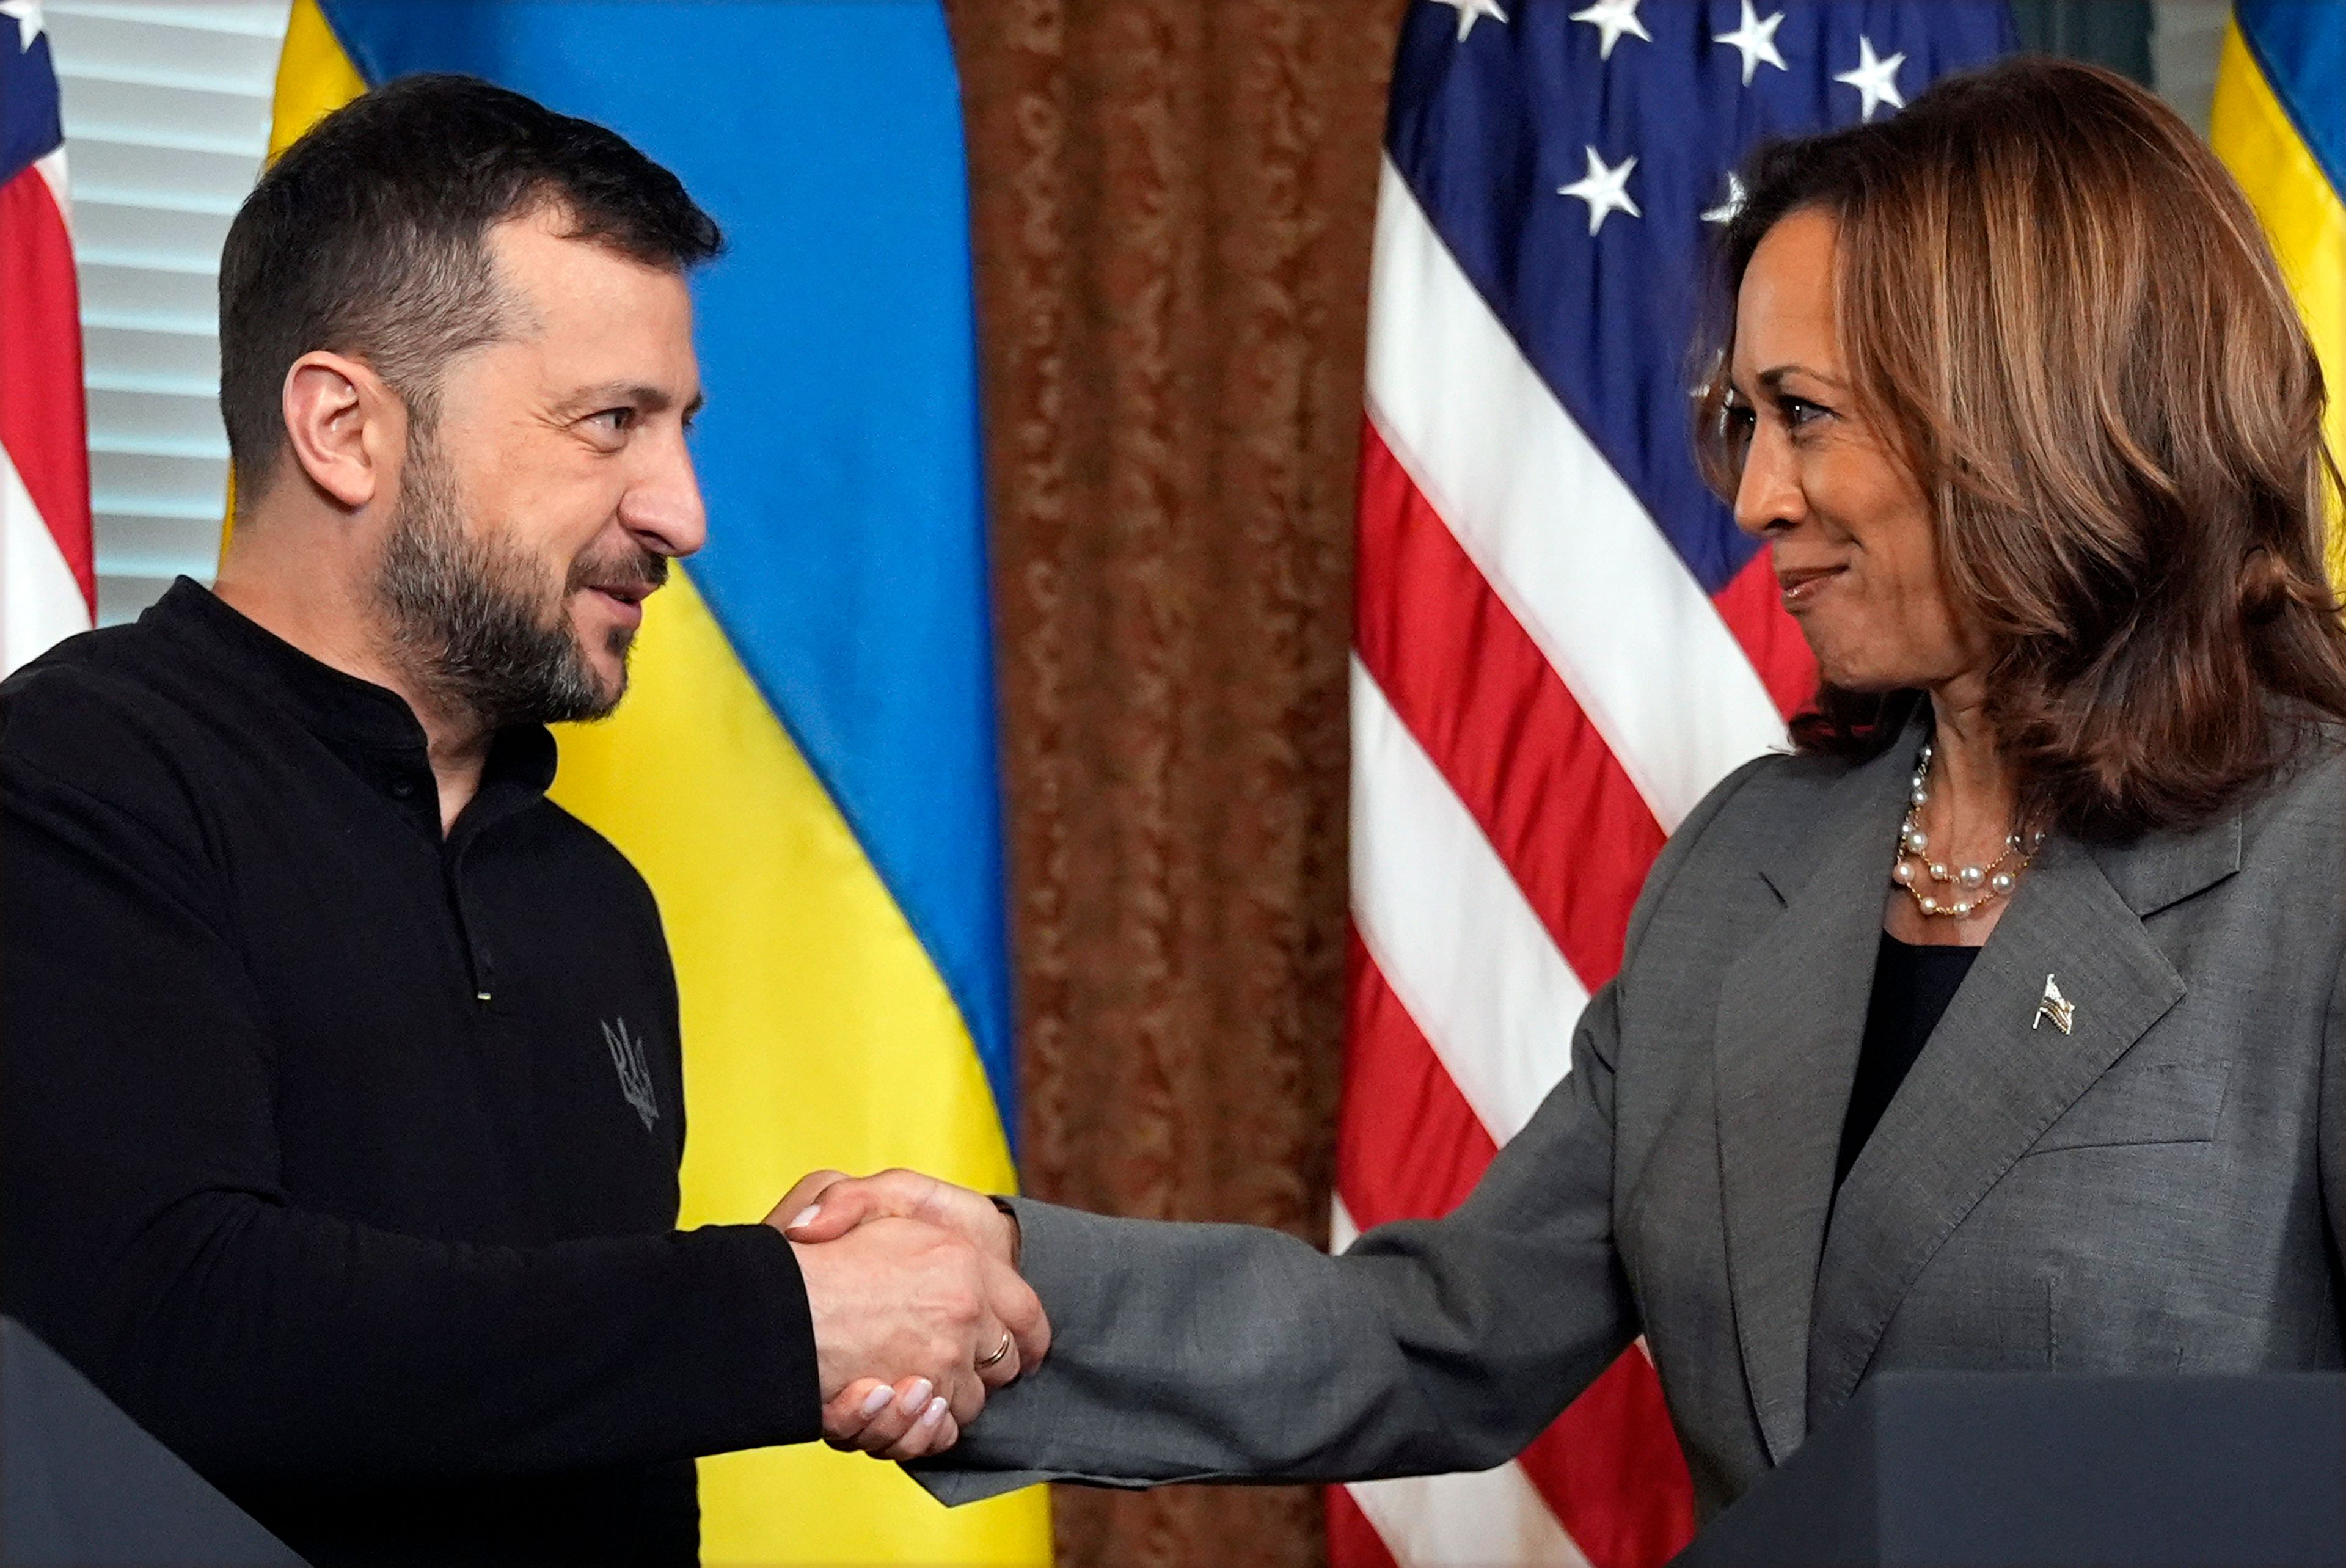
(344, 425)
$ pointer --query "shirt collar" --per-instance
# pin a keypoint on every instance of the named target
(369, 726)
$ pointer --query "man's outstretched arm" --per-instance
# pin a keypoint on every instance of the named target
(151, 1239)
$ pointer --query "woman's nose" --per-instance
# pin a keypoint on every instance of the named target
(1768, 497)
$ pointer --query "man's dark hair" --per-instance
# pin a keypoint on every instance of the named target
(369, 239)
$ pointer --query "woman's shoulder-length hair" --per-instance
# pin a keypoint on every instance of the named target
(2059, 309)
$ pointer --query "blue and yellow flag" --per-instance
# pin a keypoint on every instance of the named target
(805, 769)
(2280, 123)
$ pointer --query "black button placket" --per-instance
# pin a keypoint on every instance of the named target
(477, 959)
(497, 799)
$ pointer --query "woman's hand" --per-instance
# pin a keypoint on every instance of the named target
(900, 1421)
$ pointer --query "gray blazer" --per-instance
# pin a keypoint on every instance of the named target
(2161, 1190)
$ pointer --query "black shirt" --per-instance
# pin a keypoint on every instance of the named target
(1911, 988)
(341, 1155)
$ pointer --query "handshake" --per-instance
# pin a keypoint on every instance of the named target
(919, 1310)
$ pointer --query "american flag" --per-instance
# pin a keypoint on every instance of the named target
(1563, 641)
(48, 586)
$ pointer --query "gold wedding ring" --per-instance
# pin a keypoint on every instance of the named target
(999, 1352)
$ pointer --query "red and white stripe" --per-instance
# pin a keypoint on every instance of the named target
(48, 586)
(1540, 692)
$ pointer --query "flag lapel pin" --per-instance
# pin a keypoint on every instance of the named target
(2056, 1006)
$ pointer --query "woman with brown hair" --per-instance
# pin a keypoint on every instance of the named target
(2004, 1024)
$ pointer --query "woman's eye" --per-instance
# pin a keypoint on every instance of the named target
(1736, 422)
(1798, 412)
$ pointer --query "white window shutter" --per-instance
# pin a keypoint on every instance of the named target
(167, 121)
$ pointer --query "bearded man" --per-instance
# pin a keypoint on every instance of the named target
(343, 1096)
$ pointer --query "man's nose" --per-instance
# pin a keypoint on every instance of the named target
(663, 508)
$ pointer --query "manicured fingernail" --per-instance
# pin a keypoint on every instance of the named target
(934, 1413)
(877, 1400)
(917, 1394)
(806, 1217)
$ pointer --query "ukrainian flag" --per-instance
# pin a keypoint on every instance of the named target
(2279, 122)
(806, 767)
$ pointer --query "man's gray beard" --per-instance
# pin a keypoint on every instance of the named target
(463, 614)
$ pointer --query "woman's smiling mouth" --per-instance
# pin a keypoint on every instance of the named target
(1800, 584)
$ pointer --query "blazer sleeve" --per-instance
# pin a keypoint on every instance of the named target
(1184, 1353)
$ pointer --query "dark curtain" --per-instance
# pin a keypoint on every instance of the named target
(1173, 201)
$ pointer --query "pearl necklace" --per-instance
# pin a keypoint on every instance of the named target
(1974, 885)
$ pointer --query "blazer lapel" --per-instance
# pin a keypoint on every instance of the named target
(1791, 1012)
(1993, 1077)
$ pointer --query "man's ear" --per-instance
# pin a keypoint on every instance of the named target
(346, 428)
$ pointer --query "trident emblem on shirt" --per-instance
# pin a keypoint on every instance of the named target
(635, 1075)
(2056, 1006)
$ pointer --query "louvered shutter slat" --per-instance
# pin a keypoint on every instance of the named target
(167, 117)
(172, 178)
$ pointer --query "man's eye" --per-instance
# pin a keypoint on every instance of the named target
(618, 420)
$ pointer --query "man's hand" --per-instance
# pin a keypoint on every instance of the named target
(912, 1415)
(902, 1298)
(827, 1204)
